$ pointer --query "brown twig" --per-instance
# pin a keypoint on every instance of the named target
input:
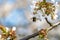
(48, 22)
(30, 36)
(37, 33)
(54, 26)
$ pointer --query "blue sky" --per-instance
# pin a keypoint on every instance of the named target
(11, 1)
(16, 17)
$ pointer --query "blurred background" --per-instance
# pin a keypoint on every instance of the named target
(18, 13)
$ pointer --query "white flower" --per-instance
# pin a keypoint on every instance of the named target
(14, 28)
(32, 6)
(56, 10)
(55, 16)
(57, 7)
(8, 38)
(56, 4)
(7, 29)
(34, 2)
(0, 36)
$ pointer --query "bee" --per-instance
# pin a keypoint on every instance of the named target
(34, 19)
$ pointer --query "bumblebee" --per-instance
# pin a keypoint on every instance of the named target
(34, 19)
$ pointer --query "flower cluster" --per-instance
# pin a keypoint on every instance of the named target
(46, 8)
(8, 34)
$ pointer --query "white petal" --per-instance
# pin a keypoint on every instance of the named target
(0, 36)
(33, 2)
(32, 6)
(55, 16)
(56, 4)
(14, 28)
(7, 29)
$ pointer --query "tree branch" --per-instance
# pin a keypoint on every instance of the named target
(54, 26)
(48, 22)
(30, 36)
(37, 33)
